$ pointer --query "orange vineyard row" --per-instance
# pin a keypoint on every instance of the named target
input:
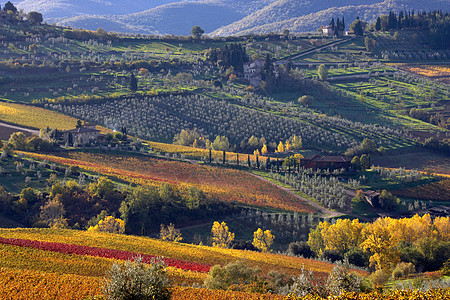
(225, 184)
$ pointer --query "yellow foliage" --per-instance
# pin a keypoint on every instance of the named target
(380, 240)
(342, 236)
(170, 233)
(109, 224)
(263, 239)
(221, 234)
(287, 146)
(280, 147)
(264, 150)
(256, 153)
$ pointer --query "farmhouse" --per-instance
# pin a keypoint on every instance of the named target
(325, 162)
(252, 72)
(82, 135)
(328, 30)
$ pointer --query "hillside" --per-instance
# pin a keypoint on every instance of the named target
(302, 16)
(217, 17)
(175, 18)
(58, 9)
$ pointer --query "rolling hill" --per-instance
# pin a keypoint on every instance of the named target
(301, 15)
(217, 17)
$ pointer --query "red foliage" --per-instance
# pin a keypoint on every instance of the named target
(102, 252)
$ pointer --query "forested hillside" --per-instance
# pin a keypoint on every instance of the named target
(217, 17)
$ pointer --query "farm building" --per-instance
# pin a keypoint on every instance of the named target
(252, 72)
(82, 135)
(328, 30)
(373, 198)
(325, 162)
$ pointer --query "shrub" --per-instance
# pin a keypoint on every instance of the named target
(403, 270)
(235, 273)
(136, 280)
(300, 248)
(379, 278)
(342, 280)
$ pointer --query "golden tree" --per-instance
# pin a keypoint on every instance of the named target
(263, 239)
(109, 224)
(221, 234)
(382, 243)
(343, 236)
(280, 147)
(287, 146)
(256, 152)
(264, 150)
(170, 233)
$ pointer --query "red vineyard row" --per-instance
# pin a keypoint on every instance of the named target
(102, 252)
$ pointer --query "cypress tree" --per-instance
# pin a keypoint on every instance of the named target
(378, 24)
(133, 83)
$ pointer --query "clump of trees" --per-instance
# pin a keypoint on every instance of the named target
(433, 26)
(384, 243)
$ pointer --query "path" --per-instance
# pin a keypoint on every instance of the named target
(324, 212)
(283, 61)
(32, 131)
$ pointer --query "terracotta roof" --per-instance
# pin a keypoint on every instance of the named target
(371, 194)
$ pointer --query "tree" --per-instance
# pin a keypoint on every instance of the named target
(221, 234)
(137, 280)
(264, 150)
(368, 146)
(18, 141)
(197, 31)
(170, 233)
(221, 278)
(382, 243)
(9, 7)
(341, 279)
(342, 236)
(356, 163)
(34, 17)
(133, 83)
(323, 72)
(280, 147)
(358, 27)
(109, 224)
(306, 100)
(387, 200)
(263, 239)
(369, 43)
(297, 143)
(221, 143)
(378, 24)
(52, 213)
(364, 161)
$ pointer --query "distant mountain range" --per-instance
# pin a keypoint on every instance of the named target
(216, 17)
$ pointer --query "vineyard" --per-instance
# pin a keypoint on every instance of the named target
(438, 72)
(34, 117)
(50, 264)
(225, 184)
(195, 255)
(437, 191)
